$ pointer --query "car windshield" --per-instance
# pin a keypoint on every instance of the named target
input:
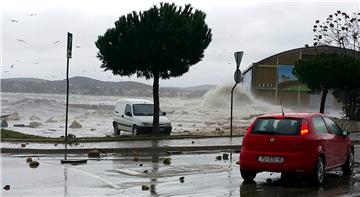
(143, 109)
(273, 126)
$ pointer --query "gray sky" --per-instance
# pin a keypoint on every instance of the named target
(259, 28)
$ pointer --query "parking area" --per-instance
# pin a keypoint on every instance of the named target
(147, 175)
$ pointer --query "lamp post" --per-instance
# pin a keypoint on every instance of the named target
(237, 77)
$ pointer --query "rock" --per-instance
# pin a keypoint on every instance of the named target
(23, 145)
(34, 164)
(19, 125)
(182, 179)
(75, 125)
(34, 118)
(14, 116)
(6, 187)
(179, 125)
(50, 120)
(4, 123)
(28, 160)
(145, 187)
(145, 171)
(94, 154)
(34, 124)
(225, 156)
(218, 157)
(71, 135)
(167, 161)
(92, 129)
(141, 164)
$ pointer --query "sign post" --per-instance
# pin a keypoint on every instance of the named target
(237, 78)
(68, 56)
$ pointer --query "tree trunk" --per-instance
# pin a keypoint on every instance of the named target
(156, 104)
(323, 100)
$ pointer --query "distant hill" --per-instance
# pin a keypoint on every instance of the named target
(88, 86)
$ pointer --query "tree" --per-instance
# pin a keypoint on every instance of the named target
(339, 30)
(318, 73)
(158, 43)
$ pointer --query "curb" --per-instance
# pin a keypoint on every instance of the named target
(122, 150)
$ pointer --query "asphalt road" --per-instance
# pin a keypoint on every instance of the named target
(124, 175)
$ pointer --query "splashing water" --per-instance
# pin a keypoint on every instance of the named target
(245, 104)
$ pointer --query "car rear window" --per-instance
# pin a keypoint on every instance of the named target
(273, 126)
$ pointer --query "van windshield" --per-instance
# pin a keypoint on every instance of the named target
(273, 126)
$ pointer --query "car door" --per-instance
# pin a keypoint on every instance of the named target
(338, 141)
(326, 140)
(127, 118)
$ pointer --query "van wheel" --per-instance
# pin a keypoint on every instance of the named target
(248, 176)
(135, 130)
(319, 172)
(116, 129)
(348, 166)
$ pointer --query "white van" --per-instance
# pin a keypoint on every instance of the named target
(136, 116)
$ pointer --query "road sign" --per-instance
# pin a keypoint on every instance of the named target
(238, 56)
(69, 45)
(237, 76)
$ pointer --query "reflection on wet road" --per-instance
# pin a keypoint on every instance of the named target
(119, 175)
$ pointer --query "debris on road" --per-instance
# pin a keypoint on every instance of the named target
(145, 187)
(6, 187)
(225, 156)
(182, 179)
(94, 154)
(167, 161)
(34, 164)
(218, 157)
(28, 160)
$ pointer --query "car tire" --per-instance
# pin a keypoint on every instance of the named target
(248, 176)
(348, 166)
(116, 129)
(135, 130)
(319, 172)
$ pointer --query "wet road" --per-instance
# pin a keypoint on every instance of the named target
(120, 175)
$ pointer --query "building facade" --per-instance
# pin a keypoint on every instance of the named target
(272, 80)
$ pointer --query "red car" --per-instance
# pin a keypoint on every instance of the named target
(295, 143)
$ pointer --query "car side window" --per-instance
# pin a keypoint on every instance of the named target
(319, 125)
(334, 129)
(128, 109)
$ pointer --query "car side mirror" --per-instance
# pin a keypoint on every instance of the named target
(128, 113)
(345, 133)
(164, 113)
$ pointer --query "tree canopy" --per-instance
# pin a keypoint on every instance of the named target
(161, 42)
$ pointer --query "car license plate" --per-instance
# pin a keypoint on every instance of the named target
(270, 159)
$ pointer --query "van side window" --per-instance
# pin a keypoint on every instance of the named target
(334, 129)
(319, 125)
(128, 109)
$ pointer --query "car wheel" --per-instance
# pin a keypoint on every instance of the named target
(248, 176)
(348, 166)
(116, 129)
(319, 172)
(135, 130)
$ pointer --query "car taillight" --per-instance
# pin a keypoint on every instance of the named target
(250, 127)
(304, 128)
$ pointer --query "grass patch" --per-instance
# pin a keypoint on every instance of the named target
(5, 133)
